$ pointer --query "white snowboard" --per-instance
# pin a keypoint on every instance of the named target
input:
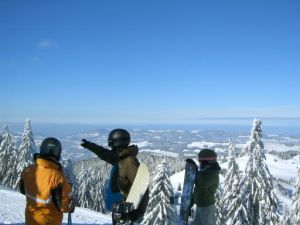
(139, 186)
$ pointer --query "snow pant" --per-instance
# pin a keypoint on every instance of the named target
(205, 216)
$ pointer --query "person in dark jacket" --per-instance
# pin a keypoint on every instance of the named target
(125, 157)
(206, 184)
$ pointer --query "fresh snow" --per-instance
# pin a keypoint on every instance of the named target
(283, 169)
(160, 152)
(142, 144)
(195, 131)
(176, 179)
(13, 203)
(204, 144)
(279, 147)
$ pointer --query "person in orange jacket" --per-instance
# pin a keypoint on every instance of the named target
(48, 193)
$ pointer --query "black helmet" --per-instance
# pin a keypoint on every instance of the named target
(118, 138)
(207, 155)
(51, 147)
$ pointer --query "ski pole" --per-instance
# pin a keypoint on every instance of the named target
(69, 219)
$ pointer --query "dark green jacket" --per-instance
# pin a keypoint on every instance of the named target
(207, 182)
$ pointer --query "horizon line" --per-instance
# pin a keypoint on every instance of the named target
(182, 121)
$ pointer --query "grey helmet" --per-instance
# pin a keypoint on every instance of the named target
(118, 138)
(51, 147)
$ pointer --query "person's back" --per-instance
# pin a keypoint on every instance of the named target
(47, 191)
(206, 184)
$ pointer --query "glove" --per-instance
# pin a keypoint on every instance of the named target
(84, 143)
(191, 162)
(188, 161)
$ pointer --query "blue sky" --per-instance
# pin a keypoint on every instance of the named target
(148, 61)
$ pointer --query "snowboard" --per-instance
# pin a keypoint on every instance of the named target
(187, 191)
(139, 186)
(136, 193)
(111, 198)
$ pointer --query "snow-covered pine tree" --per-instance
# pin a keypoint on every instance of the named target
(232, 179)
(97, 192)
(296, 202)
(287, 217)
(12, 175)
(26, 150)
(69, 173)
(257, 202)
(237, 212)
(250, 145)
(85, 187)
(159, 210)
(220, 213)
(7, 159)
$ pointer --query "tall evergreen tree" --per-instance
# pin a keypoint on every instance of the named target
(220, 210)
(69, 173)
(7, 159)
(97, 192)
(287, 217)
(160, 211)
(253, 141)
(232, 179)
(26, 150)
(257, 202)
(85, 188)
(296, 202)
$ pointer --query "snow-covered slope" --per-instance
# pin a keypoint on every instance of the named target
(280, 169)
(13, 205)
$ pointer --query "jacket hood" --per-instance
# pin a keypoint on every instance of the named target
(46, 161)
(131, 150)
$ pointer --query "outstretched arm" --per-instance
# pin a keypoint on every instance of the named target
(103, 153)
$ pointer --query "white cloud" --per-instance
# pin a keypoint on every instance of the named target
(44, 44)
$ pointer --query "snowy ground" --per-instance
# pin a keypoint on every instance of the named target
(13, 205)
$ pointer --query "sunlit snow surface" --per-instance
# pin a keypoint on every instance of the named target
(12, 209)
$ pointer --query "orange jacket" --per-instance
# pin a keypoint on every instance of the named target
(38, 182)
